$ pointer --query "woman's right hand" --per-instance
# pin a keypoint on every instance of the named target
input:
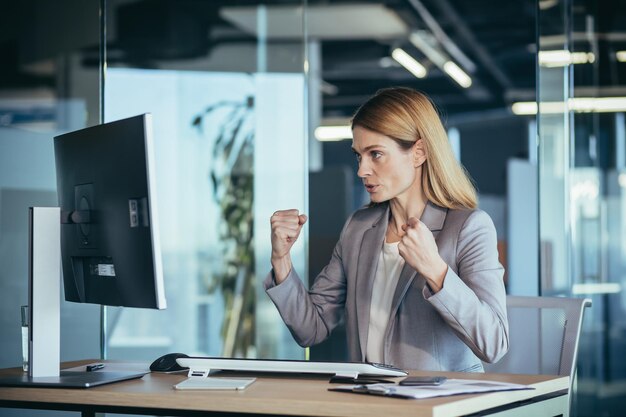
(286, 226)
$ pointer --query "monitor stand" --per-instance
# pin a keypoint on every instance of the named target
(44, 294)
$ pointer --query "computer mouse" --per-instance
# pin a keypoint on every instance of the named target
(167, 363)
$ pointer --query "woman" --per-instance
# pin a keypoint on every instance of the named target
(416, 273)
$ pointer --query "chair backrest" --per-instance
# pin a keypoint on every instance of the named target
(543, 336)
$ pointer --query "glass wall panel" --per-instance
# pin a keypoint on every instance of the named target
(48, 86)
(597, 202)
(554, 150)
(225, 83)
(49, 80)
(582, 189)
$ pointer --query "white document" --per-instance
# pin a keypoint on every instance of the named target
(450, 387)
(194, 383)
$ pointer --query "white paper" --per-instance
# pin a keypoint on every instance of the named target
(449, 387)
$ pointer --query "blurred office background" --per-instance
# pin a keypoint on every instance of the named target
(251, 100)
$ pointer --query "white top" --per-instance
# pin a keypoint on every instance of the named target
(390, 265)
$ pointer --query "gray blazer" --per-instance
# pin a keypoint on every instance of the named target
(452, 330)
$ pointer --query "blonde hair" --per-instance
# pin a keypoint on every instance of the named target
(406, 115)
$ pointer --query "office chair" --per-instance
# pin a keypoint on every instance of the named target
(543, 336)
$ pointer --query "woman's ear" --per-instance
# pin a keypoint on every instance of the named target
(419, 153)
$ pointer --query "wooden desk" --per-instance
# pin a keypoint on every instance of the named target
(287, 395)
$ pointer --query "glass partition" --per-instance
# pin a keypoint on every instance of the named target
(49, 71)
(225, 83)
(581, 129)
(553, 120)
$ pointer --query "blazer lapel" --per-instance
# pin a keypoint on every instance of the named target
(433, 217)
(371, 246)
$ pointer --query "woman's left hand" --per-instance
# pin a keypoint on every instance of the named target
(419, 250)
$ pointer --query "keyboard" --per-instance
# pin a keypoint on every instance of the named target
(204, 365)
(387, 367)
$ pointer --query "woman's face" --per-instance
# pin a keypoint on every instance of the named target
(387, 170)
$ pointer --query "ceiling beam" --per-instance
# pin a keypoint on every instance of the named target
(441, 36)
(482, 54)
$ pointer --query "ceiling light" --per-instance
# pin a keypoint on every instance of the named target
(583, 57)
(578, 105)
(553, 58)
(598, 105)
(439, 36)
(562, 58)
(457, 74)
(409, 63)
(547, 4)
(597, 288)
(621, 56)
(422, 41)
(333, 133)
(524, 108)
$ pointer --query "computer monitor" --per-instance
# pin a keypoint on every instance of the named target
(107, 231)
(109, 226)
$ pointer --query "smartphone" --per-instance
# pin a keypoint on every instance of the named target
(423, 380)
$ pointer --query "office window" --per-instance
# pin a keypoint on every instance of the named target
(229, 110)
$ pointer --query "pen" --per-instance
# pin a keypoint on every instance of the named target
(381, 390)
(364, 389)
(94, 367)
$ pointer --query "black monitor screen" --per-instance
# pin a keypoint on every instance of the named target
(109, 232)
